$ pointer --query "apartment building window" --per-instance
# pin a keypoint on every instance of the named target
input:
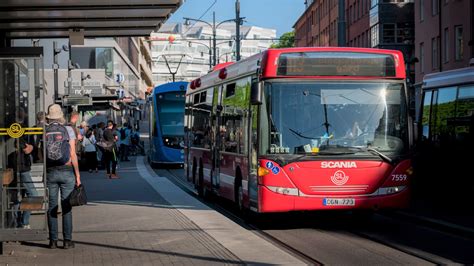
(434, 53)
(422, 10)
(388, 33)
(434, 7)
(358, 9)
(374, 32)
(446, 45)
(459, 43)
(422, 57)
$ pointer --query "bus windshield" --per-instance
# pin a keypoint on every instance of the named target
(334, 117)
(171, 113)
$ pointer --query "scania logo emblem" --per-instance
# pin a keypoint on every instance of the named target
(339, 178)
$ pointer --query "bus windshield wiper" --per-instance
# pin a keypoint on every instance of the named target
(334, 150)
(376, 152)
(283, 161)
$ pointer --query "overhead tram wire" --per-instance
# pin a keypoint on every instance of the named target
(203, 14)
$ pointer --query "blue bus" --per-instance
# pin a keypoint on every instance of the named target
(167, 124)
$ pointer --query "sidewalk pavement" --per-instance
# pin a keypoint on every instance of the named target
(144, 219)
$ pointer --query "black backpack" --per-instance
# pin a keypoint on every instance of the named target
(57, 145)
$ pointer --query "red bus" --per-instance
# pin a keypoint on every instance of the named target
(302, 129)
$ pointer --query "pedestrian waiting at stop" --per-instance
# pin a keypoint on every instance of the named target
(62, 168)
(110, 138)
(125, 133)
(89, 144)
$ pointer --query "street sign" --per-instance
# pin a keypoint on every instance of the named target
(77, 100)
(119, 78)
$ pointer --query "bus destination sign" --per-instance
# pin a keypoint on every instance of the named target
(336, 64)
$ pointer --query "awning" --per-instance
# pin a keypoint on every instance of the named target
(54, 18)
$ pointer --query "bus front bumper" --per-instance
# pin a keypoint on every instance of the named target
(270, 201)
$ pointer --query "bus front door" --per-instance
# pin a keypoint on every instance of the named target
(216, 121)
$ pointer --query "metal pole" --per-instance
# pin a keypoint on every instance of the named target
(341, 24)
(55, 68)
(69, 70)
(214, 37)
(210, 53)
(237, 30)
(82, 83)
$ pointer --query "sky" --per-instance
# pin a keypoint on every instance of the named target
(275, 14)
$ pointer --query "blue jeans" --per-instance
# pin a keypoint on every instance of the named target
(30, 190)
(60, 178)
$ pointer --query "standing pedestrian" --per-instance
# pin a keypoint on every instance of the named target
(91, 151)
(125, 134)
(110, 150)
(62, 168)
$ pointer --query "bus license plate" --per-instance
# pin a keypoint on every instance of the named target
(338, 202)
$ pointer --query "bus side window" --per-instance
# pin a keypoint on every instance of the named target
(426, 113)
(442, 125)
(234, 131)
(464, 122)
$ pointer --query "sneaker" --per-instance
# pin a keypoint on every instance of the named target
(26, 226)
(53, 244)
(68, 244)
(114, 176)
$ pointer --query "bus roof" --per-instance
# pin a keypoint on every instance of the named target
(172, 86)
(449, 78)
(268, 65)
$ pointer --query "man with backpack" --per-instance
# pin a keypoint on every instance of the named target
(63, 174)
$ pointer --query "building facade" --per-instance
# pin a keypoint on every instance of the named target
(369, 23)
(115, 72)
(186, 52)
(443, 35)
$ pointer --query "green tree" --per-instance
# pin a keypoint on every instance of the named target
(286, 40)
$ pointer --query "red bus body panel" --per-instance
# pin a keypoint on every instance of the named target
(314, 183)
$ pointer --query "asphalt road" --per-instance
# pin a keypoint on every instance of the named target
(345, 238)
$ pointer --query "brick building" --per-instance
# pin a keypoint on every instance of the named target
(369, 23)
(443, 35)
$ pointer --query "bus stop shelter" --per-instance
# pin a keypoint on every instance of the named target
(22, 87)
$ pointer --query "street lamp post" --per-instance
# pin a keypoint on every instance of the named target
(214, 27)
(208, 47)
(237, 30)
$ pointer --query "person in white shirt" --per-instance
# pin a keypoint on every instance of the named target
(90, 149)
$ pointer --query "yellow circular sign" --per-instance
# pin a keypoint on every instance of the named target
(15, 130)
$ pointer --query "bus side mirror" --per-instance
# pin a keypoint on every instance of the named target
(256, 93)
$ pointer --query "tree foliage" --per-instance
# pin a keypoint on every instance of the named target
(286, 40)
